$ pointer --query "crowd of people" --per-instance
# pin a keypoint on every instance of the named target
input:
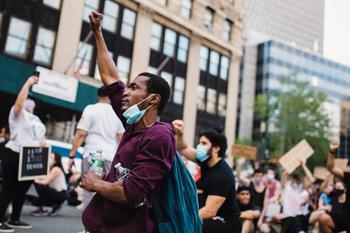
(138, 152)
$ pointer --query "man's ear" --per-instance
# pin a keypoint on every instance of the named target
(216, 149)
(155, 99)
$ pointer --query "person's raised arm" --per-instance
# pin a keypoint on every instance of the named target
(308, 173)
(181, 146)
(79, 138)
(106, 66)
(23, 94)
(331, 160)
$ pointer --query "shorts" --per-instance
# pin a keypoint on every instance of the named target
(341, 222)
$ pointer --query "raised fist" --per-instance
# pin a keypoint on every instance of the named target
(179, 127)
(95, 20)
(33, 80)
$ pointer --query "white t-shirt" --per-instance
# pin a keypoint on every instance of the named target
(25, 129)
(59, 183)
(291, 200)
(102, 126)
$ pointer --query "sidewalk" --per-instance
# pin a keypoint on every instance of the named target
(68, 221)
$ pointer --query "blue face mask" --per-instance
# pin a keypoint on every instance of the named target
(201, 153)
(133, 114)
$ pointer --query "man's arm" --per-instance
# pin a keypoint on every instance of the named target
(78, 140)
(250, 214)
(181, 146)
(106, 66)
(331, 160)
(23, 95)
(212, 205)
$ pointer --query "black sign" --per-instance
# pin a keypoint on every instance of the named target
(33, 162)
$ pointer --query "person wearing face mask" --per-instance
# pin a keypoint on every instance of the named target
(338, 218)
(273, 186)
(51, 189)
(220, 212)
(25, 129)
(123, 199)
(259, 194)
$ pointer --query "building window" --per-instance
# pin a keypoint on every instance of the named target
(168, 77)
(226, 35)
(156, 36)
(161, 2)
(201, 98)
(18, 36)
(204, 53)
(44, 46)
(169, 42)
(97, 71)
(208, 18)
(222, 105)
(214, 63)
(90, 5)
(110, 10)
(179, 90)
(211, 101)
(182, 49)
(186, 7)
(123, 66)
(83, 61)
(128, 23)
(56, 4)
(224, 65)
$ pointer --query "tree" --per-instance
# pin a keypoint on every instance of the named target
(292, 113)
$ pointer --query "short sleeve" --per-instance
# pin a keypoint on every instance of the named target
(85, 121)
(221, 185)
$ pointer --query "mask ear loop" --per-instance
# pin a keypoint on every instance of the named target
(144, 101)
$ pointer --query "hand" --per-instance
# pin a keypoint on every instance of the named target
(95, 21)
(89, 180)
(179, 127)
(334, 146)
(70, 164)
(32, 80)
(303, 161)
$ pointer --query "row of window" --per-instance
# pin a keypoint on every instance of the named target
(218, 64)
(213, 100)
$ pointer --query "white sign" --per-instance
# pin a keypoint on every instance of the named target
(56, 85)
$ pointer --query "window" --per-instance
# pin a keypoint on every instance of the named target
(18, 36)
(224, 67)
(214, 63)
(53, 3)
(222, 104)
(97, 72)
(201, 97)
(44, 46)
(156, 36)
(110, 10)
(169, 42)
(90, 5)
(186, 7)
(123, 66)
(83, 61)
(204, 53)
(161, 2)
(208, 18)
(168, 77)
(211, 101)
(226, 35)
(128, 23)
(179, 90)
(182, 49)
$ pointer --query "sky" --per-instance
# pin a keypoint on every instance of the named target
(337, 32)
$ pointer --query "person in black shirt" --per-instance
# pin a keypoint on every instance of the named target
(249, 211)
(338, 219)
(220, 212)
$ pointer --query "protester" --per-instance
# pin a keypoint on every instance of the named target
(4, 135)
(249, 212)
(122, 202)
(220, 212)
(52, 190)
(259, 193)
(100, 129)
(25, 129)
(338, 218)
(273, 186)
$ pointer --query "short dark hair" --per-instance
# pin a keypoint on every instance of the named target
(158, 85)
(242, 188)
(258, 170)
(216, 138)
(101, 92)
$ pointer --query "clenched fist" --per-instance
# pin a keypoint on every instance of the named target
(333, 147)
(179, 127)
(95, 21)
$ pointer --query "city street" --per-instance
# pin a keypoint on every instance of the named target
(68, 221)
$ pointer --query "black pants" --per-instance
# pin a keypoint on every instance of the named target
(232, 225)
(12, 190)
(292, 224)
(48, 196)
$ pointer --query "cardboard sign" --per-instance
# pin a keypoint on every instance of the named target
(56, 85)
(321, 173)
(291, 160)
(247, 152)
(33, 162)
(342, 164)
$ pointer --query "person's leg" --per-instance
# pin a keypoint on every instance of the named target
(18, 199)
(326, 223)
(44, 195)
(264, 228)
(247, 226)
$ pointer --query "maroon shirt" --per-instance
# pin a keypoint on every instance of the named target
(148, 153)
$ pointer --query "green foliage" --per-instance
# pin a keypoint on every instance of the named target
(244, 141)
(293, 113)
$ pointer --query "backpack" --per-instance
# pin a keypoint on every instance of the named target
(175, 202)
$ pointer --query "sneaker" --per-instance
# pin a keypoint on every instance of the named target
(55, 210)
(40, 212)
(19, 224)
(5, 228)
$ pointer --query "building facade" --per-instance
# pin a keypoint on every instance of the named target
(196, 45)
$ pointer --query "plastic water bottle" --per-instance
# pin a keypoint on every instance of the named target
(97, 163)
